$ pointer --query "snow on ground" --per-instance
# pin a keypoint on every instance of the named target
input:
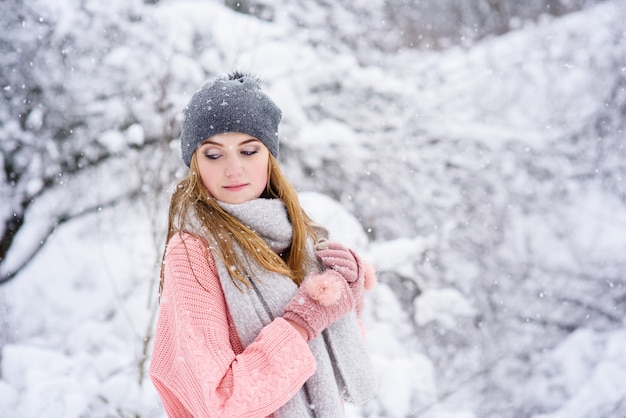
(82, 306)
(81, 310)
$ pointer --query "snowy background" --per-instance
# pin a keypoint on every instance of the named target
(473, 151)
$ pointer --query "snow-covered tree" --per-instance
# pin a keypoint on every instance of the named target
(68, 108)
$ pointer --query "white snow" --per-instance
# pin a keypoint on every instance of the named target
(443, 305)
(114, 141)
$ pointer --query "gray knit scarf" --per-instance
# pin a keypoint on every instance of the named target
(343, 368)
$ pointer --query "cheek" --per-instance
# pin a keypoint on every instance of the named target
(205, 181)
(206, 177)
(262, 171)
(262, 174)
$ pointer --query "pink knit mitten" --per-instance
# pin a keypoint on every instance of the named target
(322, 299)
(356, 272)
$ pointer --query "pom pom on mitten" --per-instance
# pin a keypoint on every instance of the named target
(324, 288)
(369, 276)
(322, 299)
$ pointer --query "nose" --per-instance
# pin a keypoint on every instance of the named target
(233, 167)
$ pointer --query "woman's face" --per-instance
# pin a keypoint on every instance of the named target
(233, 167)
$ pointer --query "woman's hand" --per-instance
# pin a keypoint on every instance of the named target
(359, 274)
(322, 299)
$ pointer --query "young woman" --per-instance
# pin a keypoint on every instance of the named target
(259, 312)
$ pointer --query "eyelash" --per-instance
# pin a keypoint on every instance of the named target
(247, 153)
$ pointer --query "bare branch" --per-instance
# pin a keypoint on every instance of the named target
(60, 220)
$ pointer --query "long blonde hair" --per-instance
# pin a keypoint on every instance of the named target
(191, 198)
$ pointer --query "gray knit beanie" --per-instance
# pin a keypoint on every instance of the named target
(234, 103)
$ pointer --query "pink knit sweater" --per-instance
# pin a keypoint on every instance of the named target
(198, 366)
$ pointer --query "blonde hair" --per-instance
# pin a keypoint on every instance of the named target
(191, 198)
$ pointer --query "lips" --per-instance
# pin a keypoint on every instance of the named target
(235, 187)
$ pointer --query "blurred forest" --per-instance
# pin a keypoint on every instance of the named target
(478, 136)
(62, 89)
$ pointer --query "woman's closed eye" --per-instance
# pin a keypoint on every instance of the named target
(249, 152)
(212, 155)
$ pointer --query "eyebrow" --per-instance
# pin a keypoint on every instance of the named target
(244, 142)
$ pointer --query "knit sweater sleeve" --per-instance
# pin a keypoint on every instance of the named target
(194, 366)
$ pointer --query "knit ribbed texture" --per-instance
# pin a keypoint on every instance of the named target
(343, 366)
(229, 105)
(198, 366)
